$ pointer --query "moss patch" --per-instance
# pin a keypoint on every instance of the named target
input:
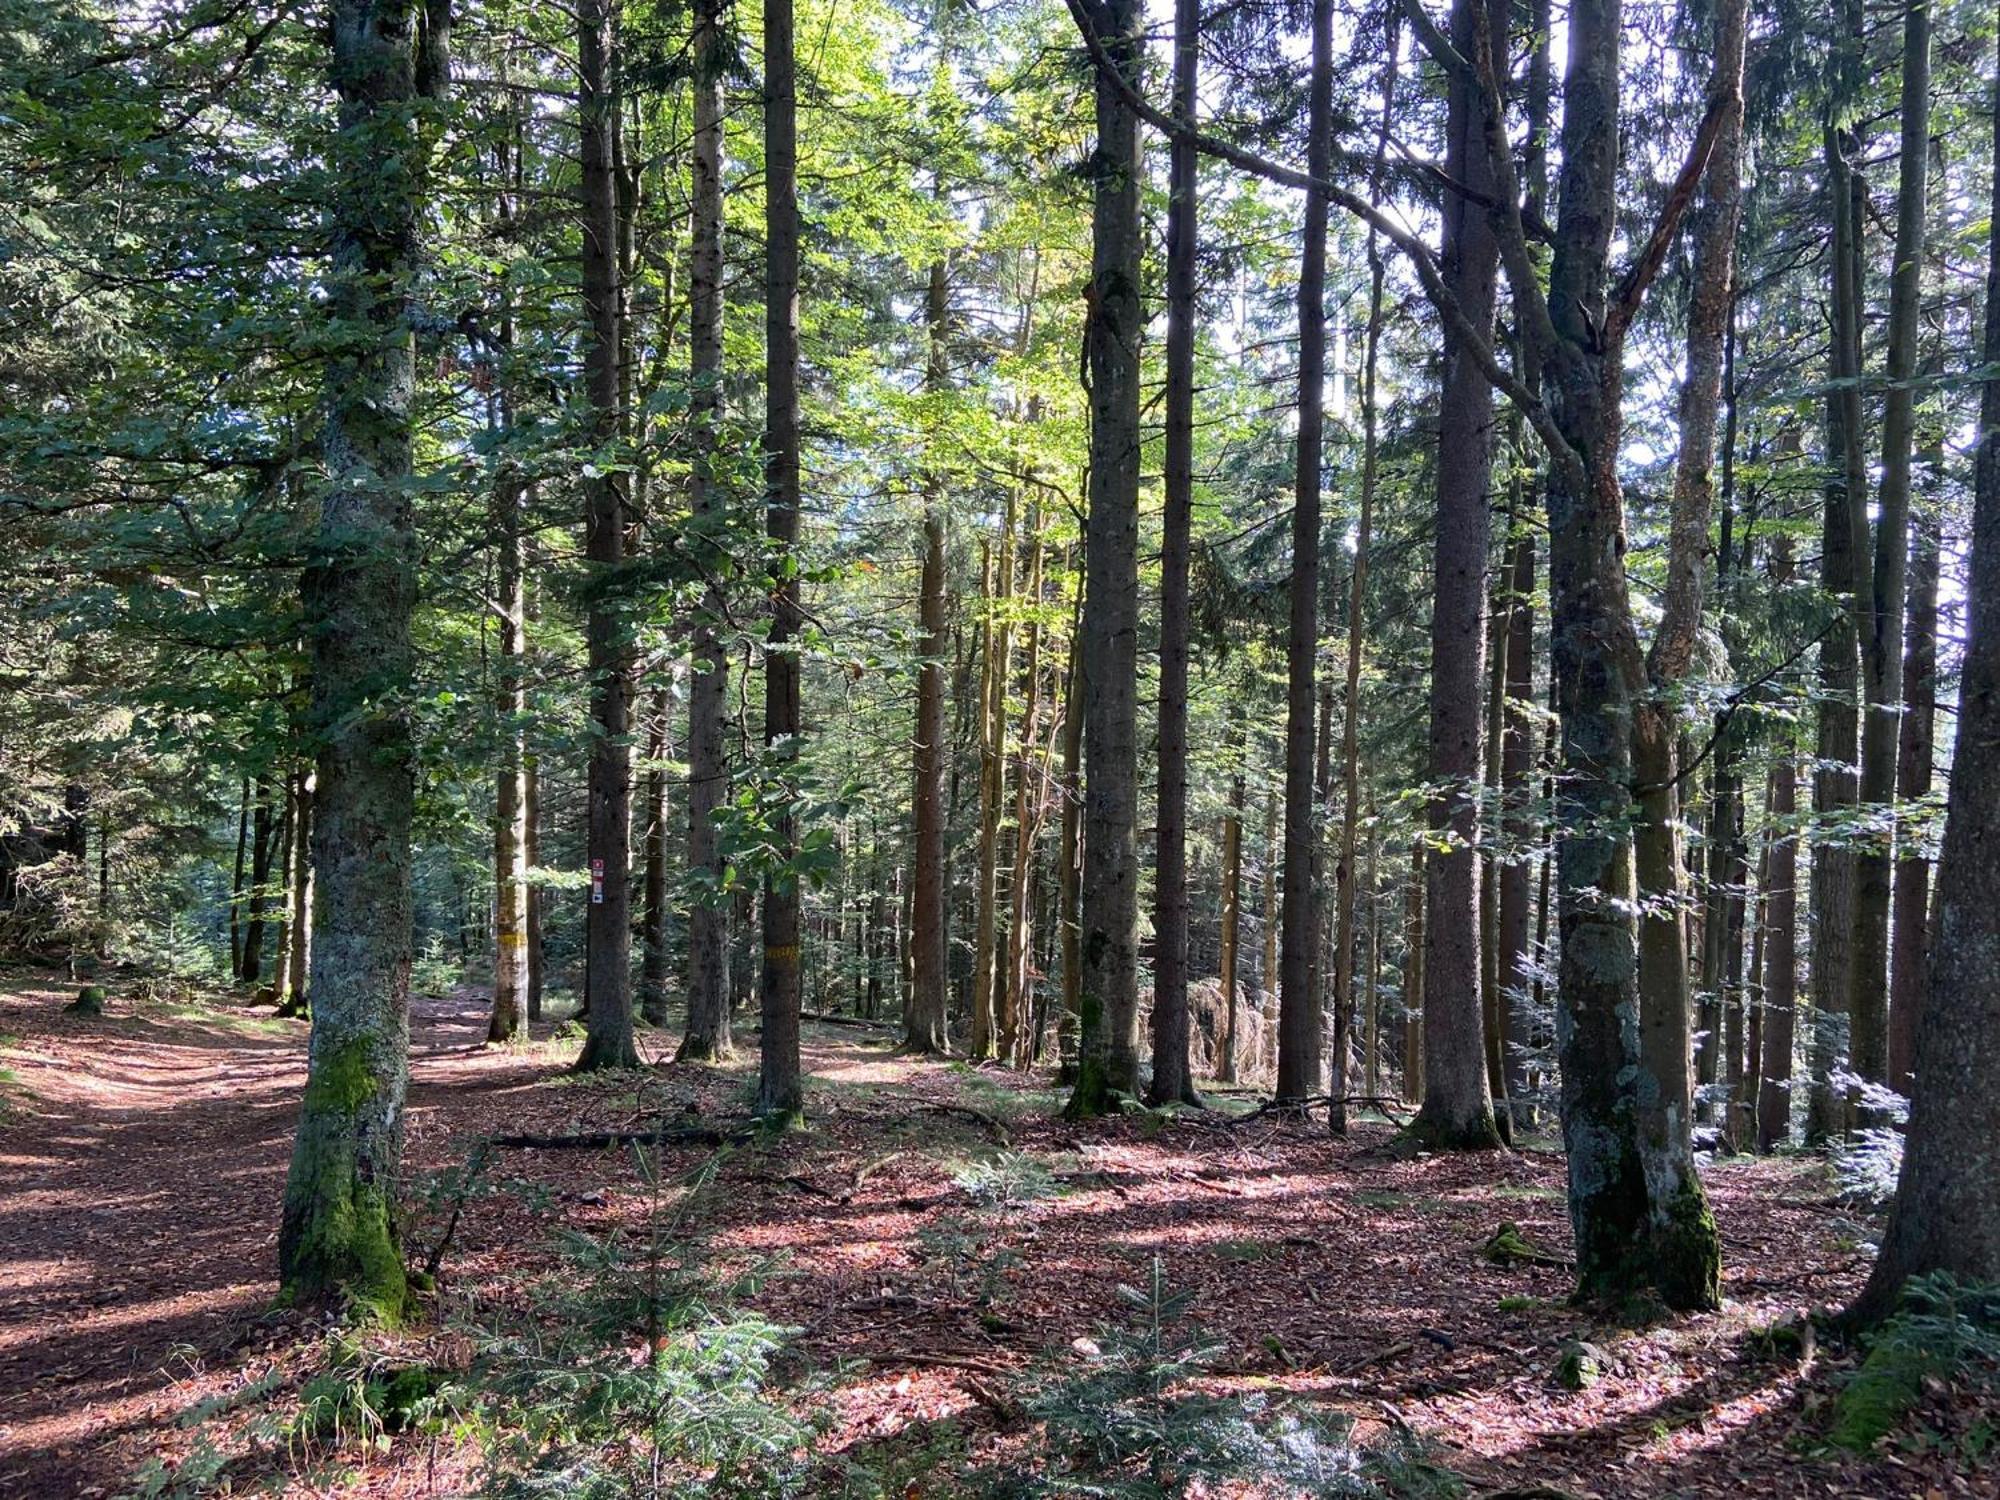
(1883, 1391)
(1687, 1252)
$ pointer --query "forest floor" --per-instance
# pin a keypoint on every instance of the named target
(934, 1235)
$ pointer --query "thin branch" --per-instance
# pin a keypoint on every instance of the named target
(1414, 249)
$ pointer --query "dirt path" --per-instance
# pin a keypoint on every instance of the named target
(143, 1160)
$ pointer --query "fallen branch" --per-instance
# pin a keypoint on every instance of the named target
(979, 1115)
(1305, 1106)
(826, 1018)
(474, 1165)
(1379, 1357)
(599, 1140)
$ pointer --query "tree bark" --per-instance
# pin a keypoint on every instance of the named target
(338, 1241)
(706, 1037)
(1516, 959)
(1844, 564)
(780, 1088)
(1946, 1215)
(260, 876)
(1069, 859)
(236, 883)
(1172, 1081)
(531, 810)
(1300, 1066)
(1637, 1210)
(296, 1000)
(924, 1028)
(1910, 948)
(1232, 917)
(1030, 797)
(653, 914)
(1357, 611)
(997, 666)
(1882, 624)
(1413, 978)
(1781, 964)
(510, 810)
(1108, 1061)
(1457, 1111)
(607, 999)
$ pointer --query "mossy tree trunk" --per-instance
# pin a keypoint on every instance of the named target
(1640, 1221)
(337, 1242)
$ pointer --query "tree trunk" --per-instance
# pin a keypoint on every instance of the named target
(1232, 910)
(1492, 1005)
(653, 916)
(510, 820)
(1947, 1211)
(1069, 858)
(780, 1089)
(1457, 1111)
(531, 843)
(281, 960)
(706, 1037)
(1030, 789)
(1299, 1025)
(1516, 964)
(1172, 1081)
(236, 884)
(296, 999)
(1639, 1216)
(1413, 978)
(1357, 615)
(1371, 991)
(1108, 1061)
(607, 999)
(997, 666)
(1844, 564)
(1781, 964)
(924, 1028)
(1882, 624)
(1909, 952)
(260, 877)
(338, 1241)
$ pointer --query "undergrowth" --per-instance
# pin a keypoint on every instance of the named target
(1944, 1334)
(1140, 1420)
